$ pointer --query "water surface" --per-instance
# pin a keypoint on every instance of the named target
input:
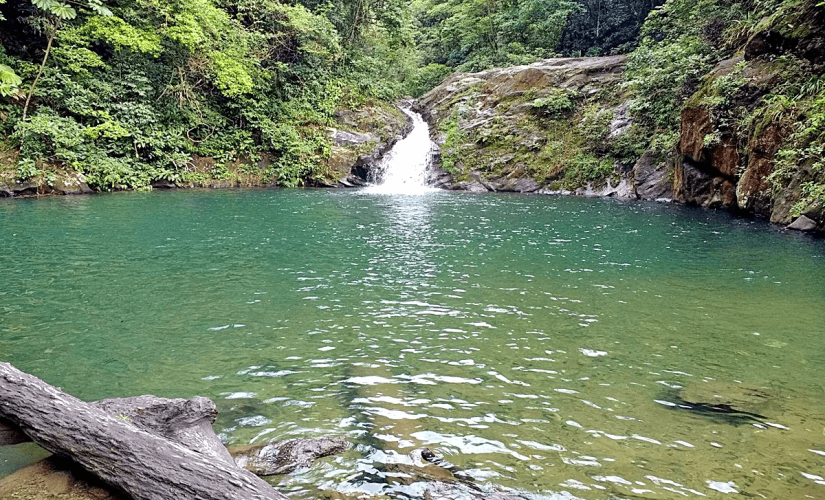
(539, 343)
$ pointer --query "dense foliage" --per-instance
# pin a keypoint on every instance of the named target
(472, 35)
(131, 91)
(138, 90)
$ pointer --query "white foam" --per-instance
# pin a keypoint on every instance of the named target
(404, 168)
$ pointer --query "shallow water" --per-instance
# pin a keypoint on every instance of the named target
(537, 342)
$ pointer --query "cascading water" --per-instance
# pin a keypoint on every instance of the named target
(404, 170)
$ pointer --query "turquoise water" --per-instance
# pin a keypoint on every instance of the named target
(539, 343)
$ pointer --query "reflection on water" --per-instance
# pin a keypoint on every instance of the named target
(561, 347)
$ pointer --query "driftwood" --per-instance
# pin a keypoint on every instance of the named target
(286, 456)
(141, 448)
(185, 421)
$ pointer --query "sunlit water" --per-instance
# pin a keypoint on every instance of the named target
(404, 171)
(537, 342)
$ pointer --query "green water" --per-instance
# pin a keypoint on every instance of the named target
(537, 342)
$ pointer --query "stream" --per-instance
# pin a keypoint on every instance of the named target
(560, 347)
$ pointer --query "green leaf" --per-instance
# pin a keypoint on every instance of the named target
(9, 81)
(63, 11)
(44, 4)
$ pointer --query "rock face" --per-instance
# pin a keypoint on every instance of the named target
(359, 141)
(62, 183)
(541, 129)
(498, 130)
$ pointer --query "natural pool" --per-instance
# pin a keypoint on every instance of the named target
(539, 343)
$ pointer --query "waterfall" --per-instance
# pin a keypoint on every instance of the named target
(405, 169)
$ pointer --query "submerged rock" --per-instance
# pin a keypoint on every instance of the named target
(286, 456)
(731, 403)
(56, 479)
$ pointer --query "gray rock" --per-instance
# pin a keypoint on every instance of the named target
(25, 188)
(472, 187)
(342, 138)
(804, 224)
(651, 179)
(623, 190)
(621, 122)
(73, 183)
(512, 185)
(286, 456)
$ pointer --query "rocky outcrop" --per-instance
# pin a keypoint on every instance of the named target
(552, 128)
(359, 141)
(526, 129)
(495, 129)
(59, 182)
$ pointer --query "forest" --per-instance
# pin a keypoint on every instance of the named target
(130, 91)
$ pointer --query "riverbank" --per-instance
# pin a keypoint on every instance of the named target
(355, 140)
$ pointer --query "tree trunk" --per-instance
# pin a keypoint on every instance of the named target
(120, 451)
(39, 74)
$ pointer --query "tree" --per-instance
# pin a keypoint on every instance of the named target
(53, 13)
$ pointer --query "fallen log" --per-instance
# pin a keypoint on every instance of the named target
(185, 421)
(119, 450)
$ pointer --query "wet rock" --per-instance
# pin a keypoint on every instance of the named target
(696, 186)
(622, 190)
(651, 178)
(5, 191)
(804, 224)
(472, 187)
(25, 188)
(441, 178)
(164, 185)
(753, 191)
(286, 456)
(512, 185)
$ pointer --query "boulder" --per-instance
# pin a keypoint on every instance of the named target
(767, 42)
(71, 183)
(804, 224)
(286, 456)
